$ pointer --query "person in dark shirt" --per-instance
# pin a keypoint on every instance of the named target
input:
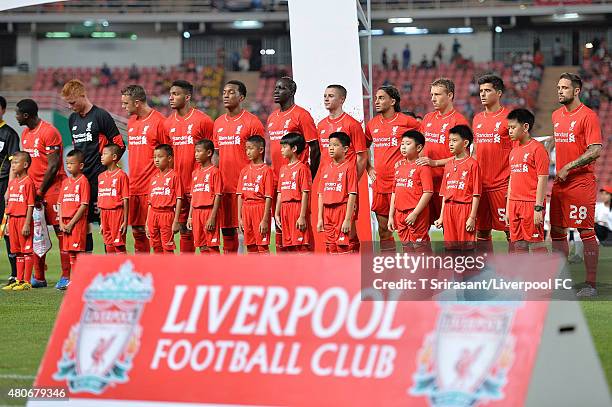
(9, 144)
(91, 128)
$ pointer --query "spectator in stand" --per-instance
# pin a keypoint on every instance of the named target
(558, 53)
(456, 48)
(406, 57)
(245, 60)
(438, 54)
(603, 214)
(538, 59)
(395, 63)
(94, 81)
(424, 62)
(385, 60)
(536, 45)
(134, 73)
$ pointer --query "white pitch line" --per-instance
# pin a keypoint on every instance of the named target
(17, 376)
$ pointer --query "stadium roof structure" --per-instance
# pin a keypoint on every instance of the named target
(143, 11)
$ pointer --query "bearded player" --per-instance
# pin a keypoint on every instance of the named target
(572, 205)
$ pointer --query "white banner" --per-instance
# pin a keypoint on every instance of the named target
(325, 51)
(9, 4)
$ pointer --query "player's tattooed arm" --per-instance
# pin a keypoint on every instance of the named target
(591, 154)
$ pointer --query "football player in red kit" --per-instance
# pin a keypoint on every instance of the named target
(435, 127)
(185, 127)
(146, 131)
(578, 144)
(231, 131)
(113, 200)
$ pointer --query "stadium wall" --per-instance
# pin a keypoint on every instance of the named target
(478, 46)
(94, 52)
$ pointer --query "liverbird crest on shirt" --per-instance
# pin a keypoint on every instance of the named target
(293, 174)
(444, 126)
(572, 124)
(287, 123)
(189, 128)
(238, 129)
(145, 129)
(411, 172)
(525, 156)
(497, 124)
(394, 129)
(340, 174)
(464, 174)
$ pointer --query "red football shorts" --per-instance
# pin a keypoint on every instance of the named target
(51, 204)
(229, 211)
(292, 236)
(110, 222)
(75, 240)
(160, 229)
(419, 232)
(572, 203)
(139, 205)
(381, 203)
(456, 215)
(185, 204)
(201, 235)
(335, 240)
(19, 243)
(491, 209)
(252, 215)
(521, 222)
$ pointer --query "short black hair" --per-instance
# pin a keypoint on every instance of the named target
(341, 88)
(206, 144)
(258, 140)
(464, 132)
(185, 85)
(28, 106)
(290, 83)
(393, 94)
(78, 154)
(496, 81)
(2, 103)
(114, 149)
(522, 116)
(344, 138)
(241, 86)
(417, 136)
(167, 148)
(25, 155)
(294, 140)
(572, 77)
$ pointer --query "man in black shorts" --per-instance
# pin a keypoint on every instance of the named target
(91, 128)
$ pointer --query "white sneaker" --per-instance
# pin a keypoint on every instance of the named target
(586, 292)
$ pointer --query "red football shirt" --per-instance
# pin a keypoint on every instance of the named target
(256, 182)
(294, 179)
(338, 181)
(230, 135)
(493, 145)
(45, 139)
(21, 194)
(75, 192)
(344, 123)
(205, 185)
(295, 120)
(386, 137)
(410, 182)
(143, 136)
(461, 180)
(113, 188)
(435, 128)
(574, 132)
(526, 164)
(166, 188)
(183, 133)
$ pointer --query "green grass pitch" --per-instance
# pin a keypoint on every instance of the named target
(27, 320)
